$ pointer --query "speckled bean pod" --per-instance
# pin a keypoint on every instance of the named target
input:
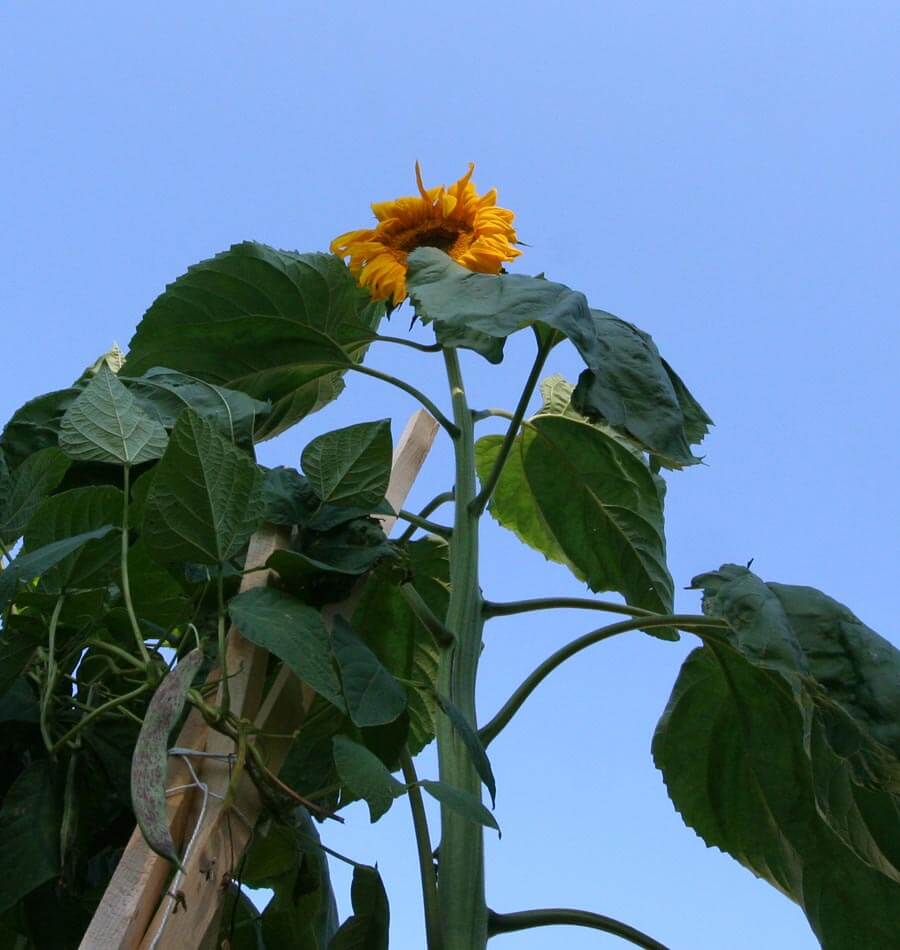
(148, 766)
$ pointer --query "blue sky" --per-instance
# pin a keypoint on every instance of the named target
(722, 174)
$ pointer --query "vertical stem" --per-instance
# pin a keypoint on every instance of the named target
(47, 696)
(126, 583)
(220, 624)
(433, 937)
(461, 862)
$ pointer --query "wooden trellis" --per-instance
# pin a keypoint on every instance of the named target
(138, 911)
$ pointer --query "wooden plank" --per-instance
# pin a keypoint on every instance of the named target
(133, 894)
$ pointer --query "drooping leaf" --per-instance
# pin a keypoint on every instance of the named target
(366, 776)
(309, 765)
(463, 803)
(626, 382)
(471, 741)
(373, 696)
(22, 490)
(165, 394)
(35, 425)
(369, 926)
(284, 858)
(581, 499)
(777, 746)
(29, 833)
(350, 466)
(398, 637)
(75, 512)
(292, 631)
(151, 755)
(205, 499)
(28, 566)
(105, 424)
(277, 325)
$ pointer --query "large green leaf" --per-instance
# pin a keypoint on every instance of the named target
(26, 567)
(74, 512)
(366, 776)
(35, 425)
(373, 696)
(105, 424)
(626, 383)
(399, 638)
(29, 833)
(277, 325)
(350, 466)
(777, 746)
(166, 393)
(292, 631)
(23, 489)
(205, 499)
(582, 499)
(369, 927)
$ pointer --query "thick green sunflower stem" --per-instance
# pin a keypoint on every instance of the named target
(461, 855)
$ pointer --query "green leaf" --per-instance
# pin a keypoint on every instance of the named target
(366, 776)
(75, 512)
(277, 325)
(105, 424)
(626, 383)
(583, 500)
(29, 833)
(22, 490)
(350, 466)
(369, 927)
(463, 803)
(373, 696)
(16, 650)
(165, 394)
(289, 499)
(292, 631)
(19, 703)
(28, 566)
(35, 425)
(398, 637)
(473, 744)
(205, 499)
(151, 756)
(157, 598)
(778, 746)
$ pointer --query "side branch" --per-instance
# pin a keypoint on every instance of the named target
(451, 428)
(484, 496)
(551, 916)
(492, 608)
(683, 621)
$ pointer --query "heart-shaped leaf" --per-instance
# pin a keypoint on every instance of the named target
(105, 424)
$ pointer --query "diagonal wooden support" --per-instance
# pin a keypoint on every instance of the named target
(130, 914)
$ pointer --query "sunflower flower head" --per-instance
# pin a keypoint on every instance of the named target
(467, 226)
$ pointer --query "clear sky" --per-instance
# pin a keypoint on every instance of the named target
(723, 174)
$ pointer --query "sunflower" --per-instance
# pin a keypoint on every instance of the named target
(467, 226)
